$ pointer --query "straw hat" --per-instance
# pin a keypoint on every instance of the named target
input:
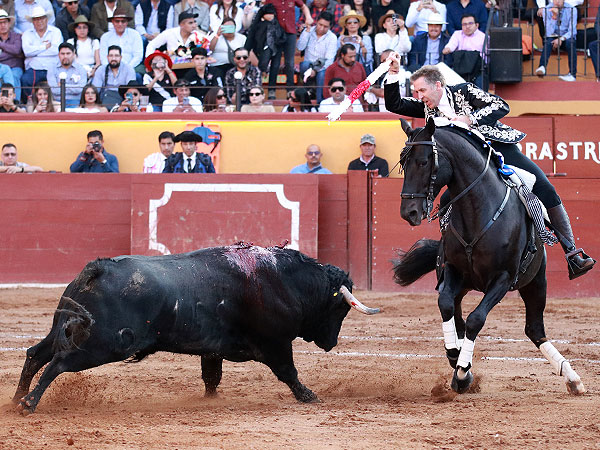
(436, 19)
(362, 20)
(4, 15)
(37, 12)
(78, 20)
(149, 58)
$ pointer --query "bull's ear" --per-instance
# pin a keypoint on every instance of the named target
(430, 127)
(406, 127)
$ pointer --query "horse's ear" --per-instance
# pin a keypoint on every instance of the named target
(430, 127)
(406, 127)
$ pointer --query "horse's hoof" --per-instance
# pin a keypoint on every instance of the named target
(452, 355)
(461, 386)
(575, 387)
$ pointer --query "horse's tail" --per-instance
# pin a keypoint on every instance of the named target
(418, 261)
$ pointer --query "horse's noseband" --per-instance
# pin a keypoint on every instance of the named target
(430, 196)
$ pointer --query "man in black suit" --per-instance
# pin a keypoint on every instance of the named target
(427, 47)
(190, 160)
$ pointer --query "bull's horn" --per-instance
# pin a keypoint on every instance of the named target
(353, 301)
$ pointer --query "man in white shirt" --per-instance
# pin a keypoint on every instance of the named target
(337, 88)
(175, 37)
(182, 102)
(40, 47)
(155, 162)
(24, 11)
(419, 12)
(152, 17)
(127, 38)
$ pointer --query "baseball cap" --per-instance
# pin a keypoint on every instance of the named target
(367, 139)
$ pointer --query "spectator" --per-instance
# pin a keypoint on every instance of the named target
(287, 19)
(6, 75)
(89, 101)
(201, 77)
(215, 100)
(469, 42)
(40, 47)
(95, 158)
(378, 92)
(176, 37)
(110, 76)
(8, 6)
(131, 94)
(74, 73)
(419, 14)
(159, 78)
(152, 17)
(394, 35)
(560, 23)
(155, 162)
(257, 97)
(593, 46)
(222, 9)
(362, 8)
(42, 99)
(9, 163)
(346, 68)
(198, 7)
(182, 102)
(11, 51)
(313, 161)
(71, 11)
(222, 46)
(299, 100)
(8, 101)
(103, 11)
(250, 76)
(190, 161)
(26, 9)
(367, 159)
(456, 9)
(266, 40)
(87, 49)
(337, 94)
(319, 45)
(352, 22)
(128, 39)
(332, 8)
(427, 48)
(382, 7)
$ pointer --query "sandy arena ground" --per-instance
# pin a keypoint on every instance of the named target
(384, 386)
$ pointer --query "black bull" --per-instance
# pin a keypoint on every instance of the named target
(238, 303)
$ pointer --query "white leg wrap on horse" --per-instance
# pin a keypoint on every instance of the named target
(553, 355)
(450, 337)
(466, 353)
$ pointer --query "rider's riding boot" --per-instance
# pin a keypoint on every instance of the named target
(577, 261)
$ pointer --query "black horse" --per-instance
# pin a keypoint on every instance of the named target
(488, 243)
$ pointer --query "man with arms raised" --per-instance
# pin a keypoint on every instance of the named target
(480, 110)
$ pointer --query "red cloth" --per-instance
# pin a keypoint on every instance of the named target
(286, 14)
(353, 76)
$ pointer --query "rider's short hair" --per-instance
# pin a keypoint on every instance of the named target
(430, 73)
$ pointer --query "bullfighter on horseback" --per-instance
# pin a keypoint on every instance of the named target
(481, 110)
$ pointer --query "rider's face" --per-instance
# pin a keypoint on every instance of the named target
(430, 94)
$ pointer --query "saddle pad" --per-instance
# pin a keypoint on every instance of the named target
(521, 176)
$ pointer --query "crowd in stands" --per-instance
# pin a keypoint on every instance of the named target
(193, 56)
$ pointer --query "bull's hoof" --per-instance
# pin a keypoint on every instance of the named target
(210, 394)
(25, 407)
(575, 387)
(307, 396)
(461, 386)
(452, 355)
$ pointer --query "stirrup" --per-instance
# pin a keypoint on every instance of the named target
(575, 270)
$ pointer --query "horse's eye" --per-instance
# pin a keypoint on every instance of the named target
(423, 163)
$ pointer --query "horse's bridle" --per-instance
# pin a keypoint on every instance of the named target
(430, 196)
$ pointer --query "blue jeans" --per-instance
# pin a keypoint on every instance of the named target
(30, 78)
(569, 46)
(17, 74)
(320, 79)
(594, 48)
(289, 51)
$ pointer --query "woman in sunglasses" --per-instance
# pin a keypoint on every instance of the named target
(257, 97)
(299, 100)
(352, 34)
(215, 100)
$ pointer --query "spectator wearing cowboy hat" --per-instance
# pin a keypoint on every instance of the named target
(159, 78)
(394, 35)
(182, 102)
(40, 47)
(87, 49)
(190, 161)
(104, 10)
(127, 38)
(11, 49)
(352, 23)
(176, 37)
(427, 48)
(24, 12)
(70, 11)
(131, 93)
(419, 13)
(382, 7)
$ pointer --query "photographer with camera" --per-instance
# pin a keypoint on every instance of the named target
(8, 102)
(95, 158)
(159, 78)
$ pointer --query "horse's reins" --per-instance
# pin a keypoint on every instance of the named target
(430, 196)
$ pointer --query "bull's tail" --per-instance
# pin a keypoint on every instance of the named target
(418, 261)
(73, 323)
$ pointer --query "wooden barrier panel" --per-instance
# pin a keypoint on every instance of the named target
(333, 219)
(577, 146)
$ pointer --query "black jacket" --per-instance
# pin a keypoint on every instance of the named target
(376, 163)
(174, 164)
(418, 51)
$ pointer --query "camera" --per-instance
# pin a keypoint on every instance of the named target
(97, 146)
(185, 101)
